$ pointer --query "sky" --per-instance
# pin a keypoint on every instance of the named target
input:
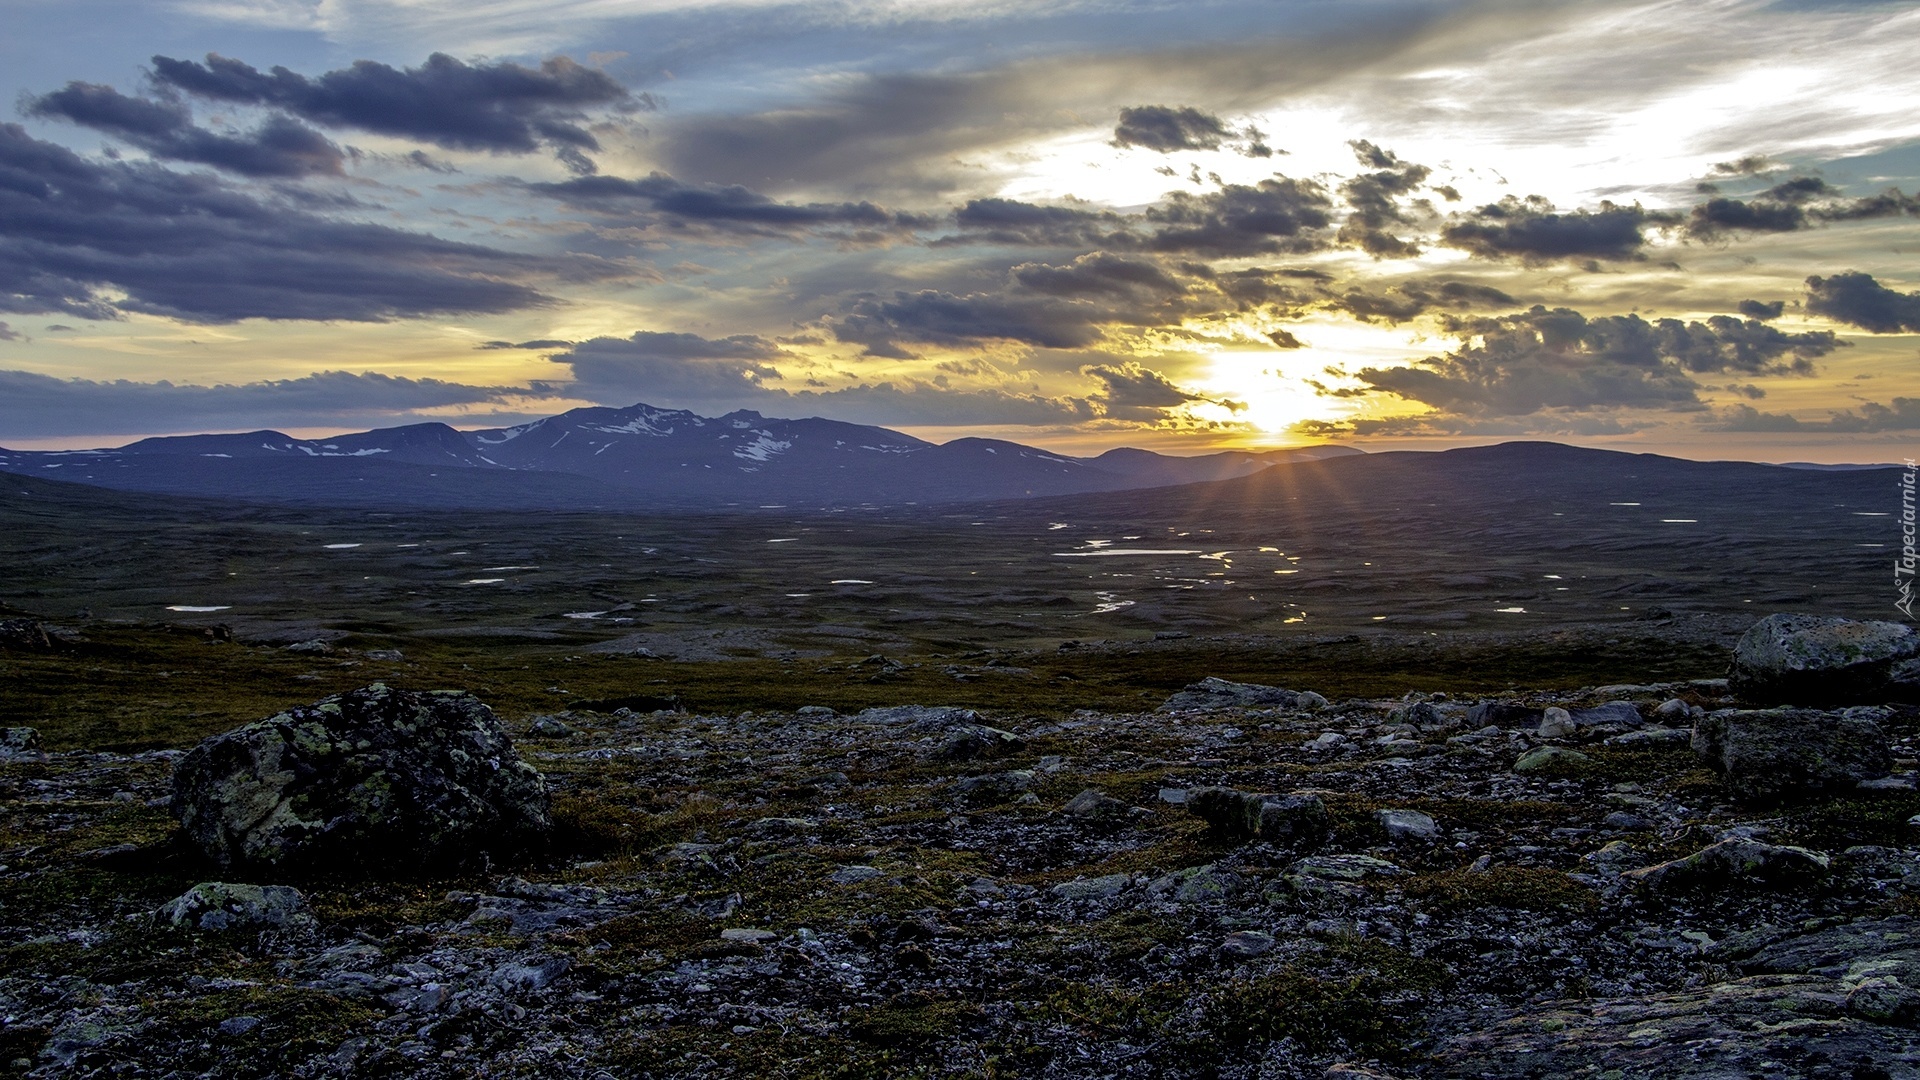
(1685, 227)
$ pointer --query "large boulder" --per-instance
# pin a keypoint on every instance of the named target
(1809, 659)
(1766, 755)
(1211, 693)
(1297, 820)
(373, 779)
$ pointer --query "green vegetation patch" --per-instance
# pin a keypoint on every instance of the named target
(1521, 888)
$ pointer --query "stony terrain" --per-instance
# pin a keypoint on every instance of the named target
(1635, 880)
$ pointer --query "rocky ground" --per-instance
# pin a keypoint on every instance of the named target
(1244, 882)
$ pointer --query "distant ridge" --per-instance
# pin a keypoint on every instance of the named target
(631, 458)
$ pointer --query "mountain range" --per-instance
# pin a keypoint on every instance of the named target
(630, 458)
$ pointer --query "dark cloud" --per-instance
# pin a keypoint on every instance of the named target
(73, 232)
(1130, 386)
(1532, 231)
(942, 318)
(280, 147)
(1541, 359)
(40, 405)
(1374, 203)
(1902, 415)
(1277, 215)
(1283, 339)
(1751, 165)
(727, 207)
(1168, 130)
(1858, 300)
(658, 367)
(1009, 221)
(499, 107)
(1099, 273)
(1408, 300)
(1794, 204)
(1762, 310)
(537, 343)
(8, 333)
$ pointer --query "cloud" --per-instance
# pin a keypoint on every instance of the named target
(1532, 231)
(502, 108)
(280, 147)
(655, 366)
(1410, 299)
(1133, 389)
(1858, 300)
(1012, 222)
(1166, 130)
(1276, 215)
(1283, 339)
(8, 333)
(1791, 205)
(1374, 201)
(75, 233)
(1098, 274)
(537, 343)
(1762, 310)
(40, 405)
(1559, 359)
(726, 207)
(1902, 415)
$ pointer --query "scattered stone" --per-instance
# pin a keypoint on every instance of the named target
(1808, 659)
(15, 741)
(236, 1026)
(749, 936)
(1623, 714)
(856, 875)
(1335, 877)
(1555, 723)
(217, 905)
(532, 976)
(1299, 820)
(919, 717)
(1549, 758)
(313, 647)
(992, 789)
(1672, 710)
(1247, 944)
(1769, 754)
(550, 727)
(1504, 714)
(814, 711)
(1407, 826)
(372, 778)
(1649, 738)
(1195, 885)
(1731, 864)
(1099, 888)
(1327, 740)
(25, 634)
(1096, 807)
(1210, 693)
(969, 742)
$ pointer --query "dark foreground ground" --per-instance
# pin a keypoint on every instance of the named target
(738, 889)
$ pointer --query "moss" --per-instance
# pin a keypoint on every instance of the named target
(1356, 1013)
(1832, 825)
(914, 1019)
(1521, 888)
(295, 1025)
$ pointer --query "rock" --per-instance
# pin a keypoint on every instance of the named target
(27, 634)
(1648, 738)
(315, 647)
(1194, 885)
(1555, 723)
(236, 1026)
(814, 711)
(992, 789)
(1672, 710)
(918, 717)
(1808, 659)
(1609, 714)
(856, 875)
(1326, 740)
(1211, 693)
(1765, 755)
(1346, 1071)
(969, 742)
(1549, 758)
(749, 936)
(384, 655)
(1335, 877)
(532, 976)
(1096, 807)
(1504, 714)
(217, 905)
(1764, 1025)
(18, 740)
(1099, 888)
(550, 727)
(1298, 820)
(1407, 825)
(372, 779)
(1247, 944)
(1734, 864)
(1885, 1000)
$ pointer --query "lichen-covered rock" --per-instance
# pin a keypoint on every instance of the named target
(1298, 820)
(1096, 807)
(967, 742)
(1407, 826)
(1769, 754)
(1808, 659)
(375, 778)
(1211, 693)
(218, 905)
(18, 740)
(1733, 864)
(1548, 759)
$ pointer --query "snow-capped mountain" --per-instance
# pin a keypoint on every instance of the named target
(629, 457)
